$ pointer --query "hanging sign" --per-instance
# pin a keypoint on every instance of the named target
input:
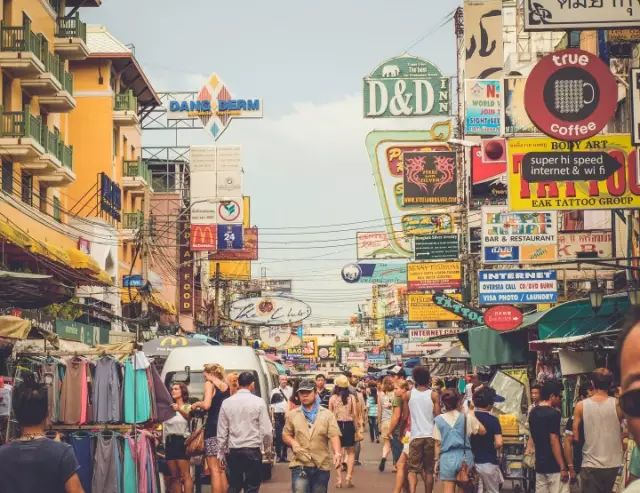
(406, 86)
(430, 178)
(503, 317)
(417, 348)
(498, 287)
(565, 15)
(483, 107)
(424, 276)
(489, 172)
(185, 266)
(422, 308)
(568, 166)
(454, 306)
(395, 326)
(483, 43)
(571, 95)
(275, 337)
(249, 250)
(269, 310)
(436, 247)
(420, 335)
(203, 237)
(374, 273)
(230, 237)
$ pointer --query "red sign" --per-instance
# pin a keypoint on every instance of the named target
(203, 237)
(570, 95)
(503, 318)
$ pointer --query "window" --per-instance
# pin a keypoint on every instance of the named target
(26, 188)
(57, 209)
(7, 177)
(43, 199)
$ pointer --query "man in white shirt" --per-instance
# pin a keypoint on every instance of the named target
(424, 406)
(244, 431)
(280, 398)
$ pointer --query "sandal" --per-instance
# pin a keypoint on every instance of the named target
(350, 483)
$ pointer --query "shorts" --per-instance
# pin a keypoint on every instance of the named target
(421, 455)
(348, 431)
(491, 478)
(596, 480)
(211, 447)
(174, 448)
(384, 430)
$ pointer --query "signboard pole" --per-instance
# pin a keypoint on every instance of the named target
(216, 292)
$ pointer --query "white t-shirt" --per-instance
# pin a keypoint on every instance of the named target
(473, 425)
(282, 406)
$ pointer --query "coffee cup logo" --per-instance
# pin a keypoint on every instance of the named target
(571, 94)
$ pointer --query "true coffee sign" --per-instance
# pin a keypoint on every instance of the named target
(570, 95)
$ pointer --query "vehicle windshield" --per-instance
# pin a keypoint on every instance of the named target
(196, 383)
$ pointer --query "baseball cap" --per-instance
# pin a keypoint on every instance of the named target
(306, 385)
(342, 382)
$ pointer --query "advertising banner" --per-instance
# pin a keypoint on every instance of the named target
(269, 310)
(249, 250)
(185, 265)
(434, 275)
(421, 335)
(436, 247)
(430, 178)
(516, 119)
(375, 246)
(421, 308)
(397, 344)
(326, 352)
(483, 39)
(356, 356)
(377, 359)
(483, 107)
(488, 177)
(406, 86)
(234, 270)
(230, 237)
(498, 287)
(203, 237)
(308, 349)
(518, 237)
(395, 326)
(594, 244)
(563, 15)
(417, 348)
(374, 273)
(621, 190)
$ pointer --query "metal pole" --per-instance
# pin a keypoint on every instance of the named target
(216, 293)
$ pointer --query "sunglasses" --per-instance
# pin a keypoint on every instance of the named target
(630, 403)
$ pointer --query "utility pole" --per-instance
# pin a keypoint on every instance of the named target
(146, 239)
(216, 293)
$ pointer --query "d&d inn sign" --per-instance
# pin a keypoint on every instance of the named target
(406, 86)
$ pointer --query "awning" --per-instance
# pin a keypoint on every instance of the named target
(567, 341)
(488, 347)
(22, 290)
(453, 352)
(155, 300)
(14, 327)
(82, 261)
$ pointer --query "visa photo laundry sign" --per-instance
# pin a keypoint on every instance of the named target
(406, 86)
(518, 237)
(621, 190)
(498, 287)
(549, 15)
(483, 107)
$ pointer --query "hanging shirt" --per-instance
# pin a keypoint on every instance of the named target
(5, 400)
(136, 390)
(106, 392)
(73, 396)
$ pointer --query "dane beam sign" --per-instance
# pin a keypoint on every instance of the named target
(621, 190)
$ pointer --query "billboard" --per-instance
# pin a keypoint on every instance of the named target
(436, 247)
(483, 107)
(425, 276)
(185, 265)
(518, 237)
(595, 244)
(249, 250)
(552, 15)
(406, 86)
(498, 287)
(375, 245)
(516, 119)
(395, 326)
(230, 237)
(374, 273)
(421, 308)
(483, 39)
(488, 177)
(420, 335)
(203, 237)
(269, 310)
(621, 190)
(430, 178)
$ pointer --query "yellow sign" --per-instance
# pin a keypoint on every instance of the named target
(620, 191)
(231, 269)
(423, 309)
(424, 276)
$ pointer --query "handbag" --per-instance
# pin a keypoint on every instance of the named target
(467, 478)
(194, 444)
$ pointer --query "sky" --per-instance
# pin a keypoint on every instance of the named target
(305, 163)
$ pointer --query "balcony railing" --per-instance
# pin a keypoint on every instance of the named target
(54, 65)
(125, 102)
(132, 220)
(71, 27)
(20, 124)
(136, 169)
(53, 144)
(20, 38)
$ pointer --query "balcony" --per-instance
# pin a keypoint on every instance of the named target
(20, 51)
(135, 176)
(55, 86)
(71, 38)
(132, 222)
(125, 109)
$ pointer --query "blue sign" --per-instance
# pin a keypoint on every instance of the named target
(497, 287)
(396, 326)
(397, 345)
(375, 273)
(299, 332)
(134, 281)
(204, 105)
(501, 254)
(380, 358)
(230, 237)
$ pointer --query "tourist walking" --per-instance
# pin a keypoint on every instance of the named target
(361, 401)
(216, 391)
(34, 463)
(312, 433)
(385, 411)
(344, 406)
(280, 398)
(451, 431)
(602, 450)
(486, 447)
(244, 432)
(322, 391)
(424, 406)
(372, 412)
(552, 474)
(175, 431)
(399, 419)
(573, 449)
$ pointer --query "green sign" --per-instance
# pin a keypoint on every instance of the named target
(406, 86)
(75, 331)
(436, 247)
(454, 306)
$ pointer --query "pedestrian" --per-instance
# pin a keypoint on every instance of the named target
(602, 451)
(280, 398)
(244, 432)
(33, 462)
(232, 382)
(552, 475)
(216, 391)
(344, 406)
(573, 449)
(372, 412)
(424, 406)
(175, 431)
(486, 447)
(385, 412)
(411, 382)
(534, 392)
(628, 351)
(312, 433)
(362, 407)
(399, 419)
(322, 391)
(451, 431)
(402, 472)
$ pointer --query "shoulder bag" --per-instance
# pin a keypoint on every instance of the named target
(194, 444)
(467, 478)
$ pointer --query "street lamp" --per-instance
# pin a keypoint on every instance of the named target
(633, 290)
(596, 296)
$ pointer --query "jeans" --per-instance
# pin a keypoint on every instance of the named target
(244, 465)
(374, 433)
(309, 480)
(281, 448)
(550, 483)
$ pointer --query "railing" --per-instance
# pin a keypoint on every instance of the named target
(53, 144)
(54, 65)
(132, 220)
(125, 102)
(71, 27)
(20, 38)
(67, 156)
(20, 124)
(136, 169)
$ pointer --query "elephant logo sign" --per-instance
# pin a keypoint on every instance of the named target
(390, 71)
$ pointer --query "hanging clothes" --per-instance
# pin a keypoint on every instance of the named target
(146, 464)
(73, 395)
(106, 391)
(106, 466)
(129, 473)
(53, 373)
(137, 402)
(81, 444)
(163, 399)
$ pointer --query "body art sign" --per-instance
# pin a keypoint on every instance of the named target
(430, 178)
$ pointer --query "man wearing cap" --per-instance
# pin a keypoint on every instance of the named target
(312, 433)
